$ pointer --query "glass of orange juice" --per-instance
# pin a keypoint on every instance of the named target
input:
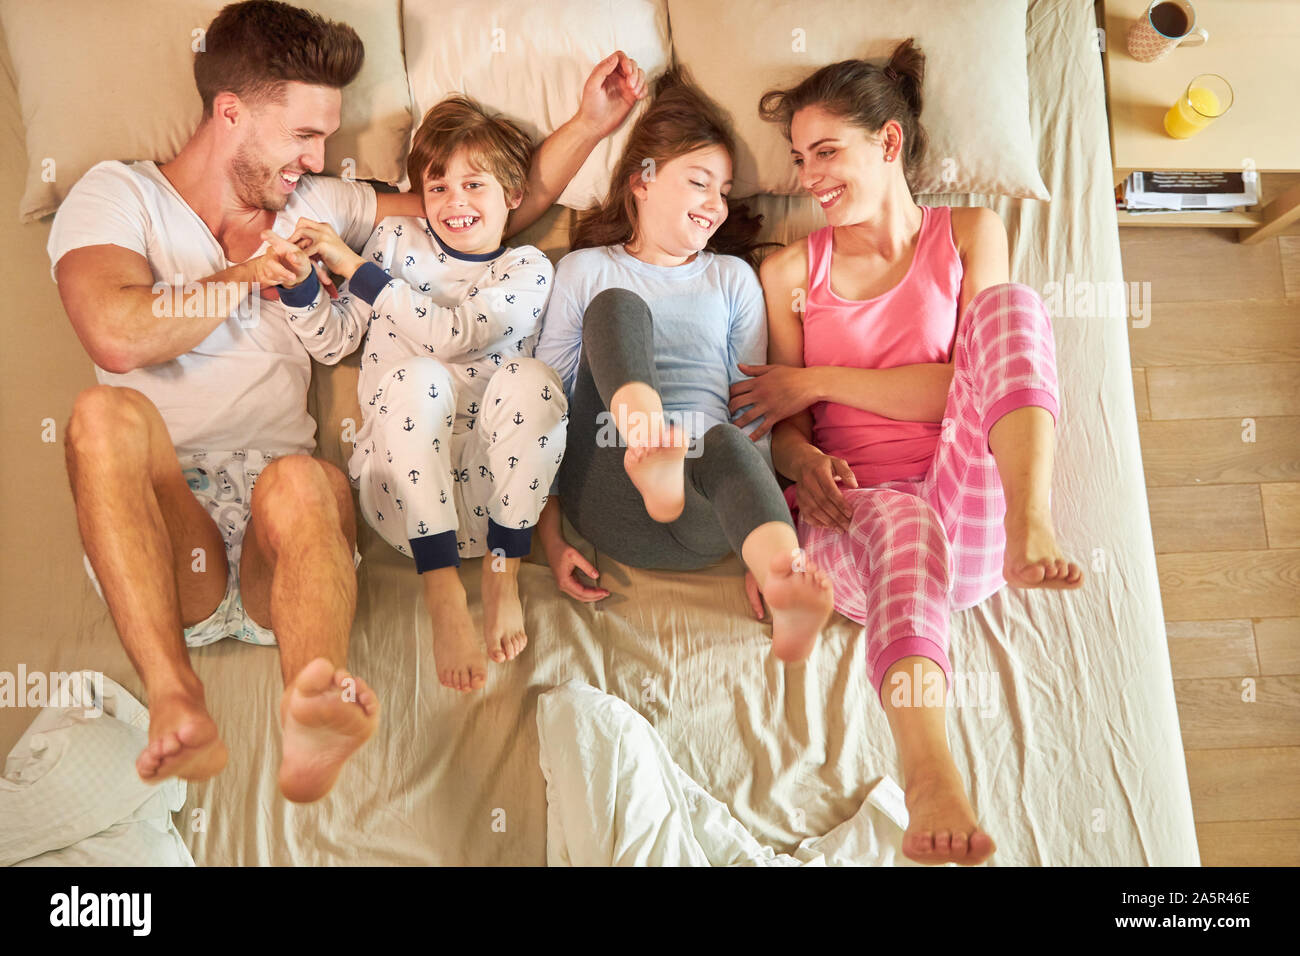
(1206, 98)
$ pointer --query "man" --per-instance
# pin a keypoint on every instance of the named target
(196, 403)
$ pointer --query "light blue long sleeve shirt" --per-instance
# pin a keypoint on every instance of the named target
(709, 315)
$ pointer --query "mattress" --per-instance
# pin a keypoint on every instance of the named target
(1067, 732)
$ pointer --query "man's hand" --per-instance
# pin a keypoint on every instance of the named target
(283, 264)
(818, 495)
(612, 89)
(318, 239)
(775, 392)
(565, 563)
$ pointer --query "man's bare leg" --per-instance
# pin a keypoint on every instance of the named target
(146, 535)
(297, 577)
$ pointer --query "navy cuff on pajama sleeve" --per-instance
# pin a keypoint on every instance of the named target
(435, 551)
(514, 542)
(303, 294)
(368, 281)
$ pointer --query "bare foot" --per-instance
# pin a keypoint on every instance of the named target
(458, 653)
(1032, 558)
(503, 615)
(801, 603)
(654, 464)
(941, 825)
(183, 740)
(327, 714)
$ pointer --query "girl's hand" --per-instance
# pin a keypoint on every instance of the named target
(319, 240)
(775, 392)
(818, 495)
(564, 566)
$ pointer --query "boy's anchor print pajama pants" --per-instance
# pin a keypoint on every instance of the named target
(441, 489)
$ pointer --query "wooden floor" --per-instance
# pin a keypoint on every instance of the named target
(1216, 375)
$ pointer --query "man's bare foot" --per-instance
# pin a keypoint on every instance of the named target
(654, 463)
(183, 740)
(326, 714)
(458, 652)
(503, 615)
(941, 826)
(1032, 558)
(801, 603)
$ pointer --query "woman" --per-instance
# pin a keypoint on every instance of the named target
(921, 448)
(648, 320)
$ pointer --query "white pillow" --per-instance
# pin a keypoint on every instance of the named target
(104, 81)
(529, 61)
(975, 98)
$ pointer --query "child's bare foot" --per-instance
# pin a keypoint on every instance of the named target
(458, 652)
(654, 463)
(183, 740)
(327, 714)
(1033, 559)
(941, 826)
(503, 615)
(801, 603)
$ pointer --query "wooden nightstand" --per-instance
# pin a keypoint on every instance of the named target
(1255, 46)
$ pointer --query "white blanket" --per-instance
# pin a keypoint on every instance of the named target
(614, 797)
(70, 794)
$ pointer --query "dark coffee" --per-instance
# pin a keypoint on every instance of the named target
(1170, 19)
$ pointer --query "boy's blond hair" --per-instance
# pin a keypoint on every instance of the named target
(493, 143)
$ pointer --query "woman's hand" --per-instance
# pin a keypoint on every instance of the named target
(775, 392)
(818, 495)
(319, 240)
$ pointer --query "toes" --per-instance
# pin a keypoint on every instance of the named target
(943, 842)
(316, 678)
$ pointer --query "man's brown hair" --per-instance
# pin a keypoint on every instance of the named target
(252, 49)
(494, 144)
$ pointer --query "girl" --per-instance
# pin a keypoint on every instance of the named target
(647, 323)
(921, 447)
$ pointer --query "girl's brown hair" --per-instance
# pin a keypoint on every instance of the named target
(493, 143)
(866, 95)
(679, 120)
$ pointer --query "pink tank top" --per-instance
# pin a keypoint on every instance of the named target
(911, 324)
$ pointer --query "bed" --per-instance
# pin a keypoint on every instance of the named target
(1069, 740)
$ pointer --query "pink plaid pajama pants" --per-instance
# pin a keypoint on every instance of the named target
(919, 549)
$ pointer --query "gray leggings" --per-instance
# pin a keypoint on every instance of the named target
(730, 490)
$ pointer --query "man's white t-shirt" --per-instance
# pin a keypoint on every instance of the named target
(245, 385)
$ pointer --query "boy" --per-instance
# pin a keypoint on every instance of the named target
(463, 430)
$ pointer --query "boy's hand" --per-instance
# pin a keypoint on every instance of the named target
(319, 240)
(612, 89)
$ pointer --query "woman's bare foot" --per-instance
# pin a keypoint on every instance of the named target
(503, 615)
(801, 603)
(183, 740)
(941, 826)
(654, 463)
(326, 714)
(458, 652)
(1033, 559)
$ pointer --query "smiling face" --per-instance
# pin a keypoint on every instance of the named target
(843, 165)
(466, 206)
(281, 142)
(684, 203)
